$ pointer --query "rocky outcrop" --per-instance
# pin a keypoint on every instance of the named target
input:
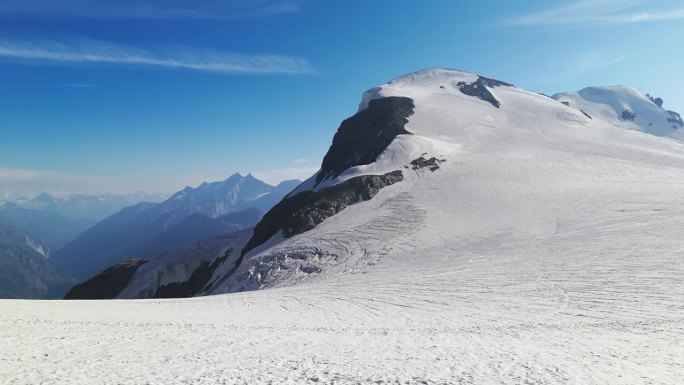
(479, 89)
(108, 284)
(675, 119)
(431, 164)
(628, 115)
(657, 101)
(363, 137)
(305, 210)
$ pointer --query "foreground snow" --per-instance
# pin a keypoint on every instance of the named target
(599, 301)
(546, 249)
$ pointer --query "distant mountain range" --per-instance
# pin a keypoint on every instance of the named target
(147, 229)
(32, 229)
(80, 206)
(47, 231)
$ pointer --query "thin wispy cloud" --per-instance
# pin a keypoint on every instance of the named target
(12, 175)
(150, 9)
(279, 175)
(586, 62)
(604, 12)
(22, 182)
(88, 51)
(575, 66)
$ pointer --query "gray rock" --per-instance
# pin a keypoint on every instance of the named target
(628, 115)
(363, 137)
(108, 284)
(479, 89)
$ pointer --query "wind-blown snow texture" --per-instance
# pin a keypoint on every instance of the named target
(545, 249)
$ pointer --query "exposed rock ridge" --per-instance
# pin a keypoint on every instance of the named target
(304, 211)
(676, 120)
(108, 284)
(361, 138)
(479, 89)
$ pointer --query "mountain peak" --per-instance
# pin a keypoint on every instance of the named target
(43, 198)
(436, 81)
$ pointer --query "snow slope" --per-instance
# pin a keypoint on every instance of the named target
(545, 249)
(625, 107)
(504, 168)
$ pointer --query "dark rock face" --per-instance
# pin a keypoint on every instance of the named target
(657, 101)
(675, 119)
(358, 141)
(493, 82)
(363, 137)
(566, 103)
(431, 164)
(108, 284)
(479, 89)
(304, 211)
(628, 115)
(195, 283)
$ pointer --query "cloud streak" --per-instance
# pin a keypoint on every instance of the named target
(22, 182)
(150, 9)
(88, 51)
(575, 66)
(606, 12)
(279, 175)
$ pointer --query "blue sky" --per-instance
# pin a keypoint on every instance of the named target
(116, 96)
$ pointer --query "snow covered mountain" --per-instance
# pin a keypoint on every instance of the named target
(147, 229)
(625, 107)
(48, 231)
(452, 153)
(400, 171)
(460, 230)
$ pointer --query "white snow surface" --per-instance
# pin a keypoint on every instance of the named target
(608, 104)
(547, 249)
